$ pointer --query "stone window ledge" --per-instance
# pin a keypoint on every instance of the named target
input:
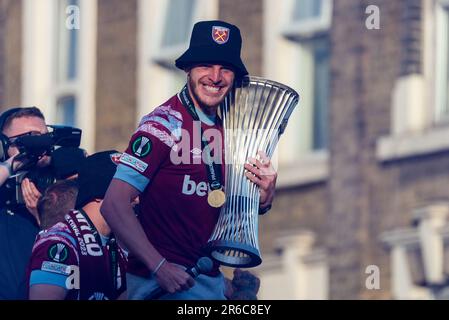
(392, 148)
(309, 169)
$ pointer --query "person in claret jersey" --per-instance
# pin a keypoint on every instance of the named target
(79, 258)
(179, 204)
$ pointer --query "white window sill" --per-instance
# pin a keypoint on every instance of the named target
(308, 169)
(406, 237)
(399, 147)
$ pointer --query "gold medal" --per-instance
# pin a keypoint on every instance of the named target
(216, 198)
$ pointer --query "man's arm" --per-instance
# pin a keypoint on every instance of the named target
(48, 275)
(47, 292)
(118, 213)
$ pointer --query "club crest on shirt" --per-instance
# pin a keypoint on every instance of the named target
(141, 146)
(197, 153)
(220, 34)
(58, 252)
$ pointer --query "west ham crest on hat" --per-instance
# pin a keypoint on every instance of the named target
(220, 34)
(211, 42)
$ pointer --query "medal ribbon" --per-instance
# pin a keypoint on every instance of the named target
(213, 169)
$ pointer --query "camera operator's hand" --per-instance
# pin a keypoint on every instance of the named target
(31, 197)
(8, 168)
(16, 165)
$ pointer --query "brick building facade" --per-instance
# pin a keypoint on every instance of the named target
(364, 197)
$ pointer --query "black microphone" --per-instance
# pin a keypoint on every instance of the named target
(203, 265)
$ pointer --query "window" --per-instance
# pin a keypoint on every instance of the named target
(297, 53)
(67, 53)
(181, 12)
(308, 18)
(59, 62)
(164, 34)
(66, 111)
(420, 101)
(320, 53)
(300, 269)
(175, 37)
(67, 44)
(308, 29)
(442, 64)
(179, 17)
(307, 9)
(418, 254)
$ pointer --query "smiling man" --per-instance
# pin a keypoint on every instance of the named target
(180, 202)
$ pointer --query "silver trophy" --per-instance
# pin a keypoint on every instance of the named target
(254, 114)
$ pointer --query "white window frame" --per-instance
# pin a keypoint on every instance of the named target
(167, 55)
(157, 73)
(39, 58)
(400, 242)
(414, 130)
(429, 237)
(280, 57)
(64, 87)
(309, 27)
(299, 272)
(442, 61)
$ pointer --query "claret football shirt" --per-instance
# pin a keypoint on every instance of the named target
(164, 161)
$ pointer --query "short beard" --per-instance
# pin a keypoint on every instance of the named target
(206, 108)
(193, 89)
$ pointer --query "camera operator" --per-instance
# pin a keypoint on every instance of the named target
(18, 227)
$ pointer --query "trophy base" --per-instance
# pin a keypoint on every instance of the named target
(234, 254)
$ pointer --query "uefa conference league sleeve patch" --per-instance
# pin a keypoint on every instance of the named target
(140, 147)
(58, 252)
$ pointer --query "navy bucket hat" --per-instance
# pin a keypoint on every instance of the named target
(214, 42)
(95, 173)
